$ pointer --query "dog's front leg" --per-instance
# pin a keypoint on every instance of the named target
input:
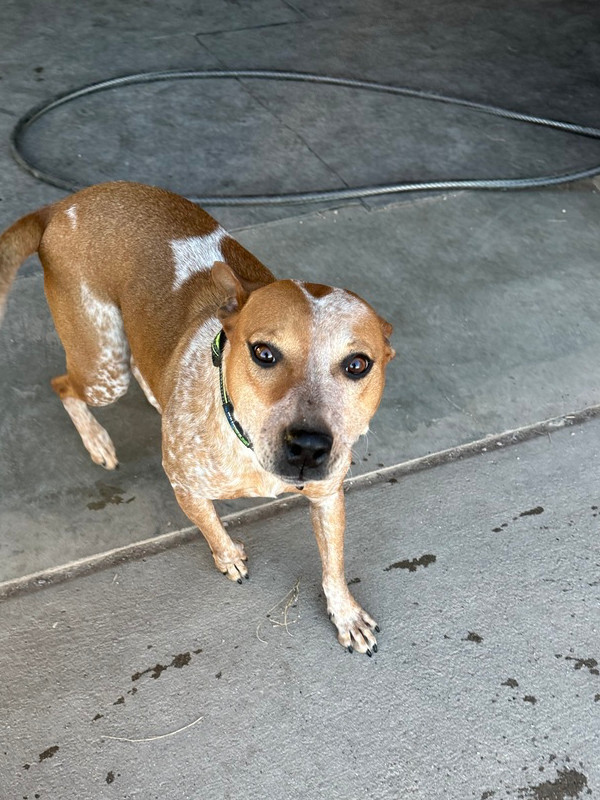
(229, 555)
(355, 627)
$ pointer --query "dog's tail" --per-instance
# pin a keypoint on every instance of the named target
(17, 243)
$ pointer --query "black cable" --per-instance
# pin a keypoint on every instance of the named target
(27, 120)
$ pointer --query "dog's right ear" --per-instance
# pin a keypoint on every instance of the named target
(229, 285)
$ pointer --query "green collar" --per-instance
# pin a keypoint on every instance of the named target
(217, 347)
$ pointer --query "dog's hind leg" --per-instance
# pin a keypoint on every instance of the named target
(98, 373)
(94, 437)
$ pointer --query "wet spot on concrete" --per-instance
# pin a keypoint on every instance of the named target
(182, 660)
(219, 673)
(51, 751)
(354, 580)
(532, 512)
(473, 637)
(596, 698)
(486, 795)
(569, 783)
(529, 698)
(412, 564)
(393, 480)
(109, 495)
(97, 717)
(132, 691)
(179, 661)
(590, 664)
(110, 777)
(120, 701)
(510, 682)
(496, 530)
(26, 766)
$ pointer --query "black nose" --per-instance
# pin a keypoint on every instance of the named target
(307, 448)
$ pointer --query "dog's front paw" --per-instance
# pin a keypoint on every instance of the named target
(231, 562)
(355, 627)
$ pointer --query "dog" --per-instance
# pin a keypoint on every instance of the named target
(264, 385)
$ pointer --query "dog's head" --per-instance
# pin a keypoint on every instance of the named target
(305, 371)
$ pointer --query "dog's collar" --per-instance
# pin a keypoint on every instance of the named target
(217, 347)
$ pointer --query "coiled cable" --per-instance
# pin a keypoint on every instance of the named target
(330, 195)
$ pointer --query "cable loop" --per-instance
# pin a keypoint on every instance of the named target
(31, 116)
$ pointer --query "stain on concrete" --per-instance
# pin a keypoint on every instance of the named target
(110, 777)
(486, 795)
(354, 580)
(49, 753)
(412, 564)
(392, 481)
(532, 512)
(591, 664)
(473, 637)
(569, 783)
(97, 717)
(179, 661)
(109, 495)
(529, 698)
(219, 674)
(510, 682)
(120, 701)
(596, 698)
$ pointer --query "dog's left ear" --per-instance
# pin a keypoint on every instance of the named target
(235, 289)
(387, 329)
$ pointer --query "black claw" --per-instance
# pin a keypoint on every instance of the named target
(377, 629)
(374, 648)
(247, 576)
(330, 616)
(239, 580)
(369, 653)
(350, 648)
(117, 465)
(224, 573)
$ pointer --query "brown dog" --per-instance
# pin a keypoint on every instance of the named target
(141, 280)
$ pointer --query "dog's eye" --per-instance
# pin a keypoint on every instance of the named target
(357, 365)
(263, 354)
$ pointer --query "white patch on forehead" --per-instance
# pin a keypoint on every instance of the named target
(71, 213)
(334, 313)
(196, 254)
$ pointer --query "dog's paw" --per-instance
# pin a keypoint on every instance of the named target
(100, 447)
(231, 562)
(355, 628)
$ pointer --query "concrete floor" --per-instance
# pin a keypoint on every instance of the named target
(494, 299)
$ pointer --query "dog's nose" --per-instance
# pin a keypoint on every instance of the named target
(307, 448)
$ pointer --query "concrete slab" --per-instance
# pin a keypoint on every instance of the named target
(485, 684)
(493, 298)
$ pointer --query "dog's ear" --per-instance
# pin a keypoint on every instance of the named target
(387, 329)
(236, 290)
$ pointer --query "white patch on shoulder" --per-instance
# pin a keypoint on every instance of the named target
(71, 213)
(195, 254)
